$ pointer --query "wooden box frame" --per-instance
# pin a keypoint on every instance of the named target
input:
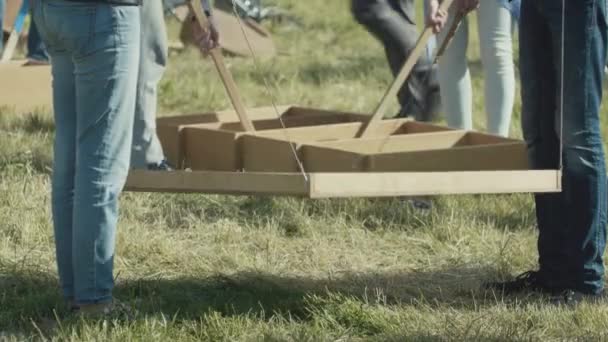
(450, 160)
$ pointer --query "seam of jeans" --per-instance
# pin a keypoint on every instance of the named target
(92, 33)
(90, 46)
(115, 20)
(592, 30)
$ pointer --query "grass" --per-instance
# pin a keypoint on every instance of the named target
(219, 268)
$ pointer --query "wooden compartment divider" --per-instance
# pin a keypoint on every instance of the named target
(172, 130)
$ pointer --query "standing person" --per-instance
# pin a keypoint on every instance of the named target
(572, 224)
(393, 23)
(95, 50)
(147, 152)
(563, 46)
(36, 51)
(495, 26)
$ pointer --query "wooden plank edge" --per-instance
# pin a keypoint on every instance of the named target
(342, 185)
(211, 182)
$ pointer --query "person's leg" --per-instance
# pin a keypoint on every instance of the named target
(36, 51)
(539, 99)
(147, 149)
(106, 80)
(455, 80)
(432, 44)
(393, 24)
(584, 174)
(495, 27)
(64, 163)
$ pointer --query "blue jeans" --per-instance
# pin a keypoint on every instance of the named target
(494, 26)
(154, 47)
(94, 50)
(572, 224)
(35, 46)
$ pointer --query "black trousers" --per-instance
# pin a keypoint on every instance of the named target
(392, 22)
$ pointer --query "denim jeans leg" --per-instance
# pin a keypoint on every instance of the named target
(64, 104)
(95, 54)
(538, 93)
(64, 162)
(495, 25)
(106, 82)
(572, 224)
(584, 178)
(455, 78)
(35, 46)
(154, 48)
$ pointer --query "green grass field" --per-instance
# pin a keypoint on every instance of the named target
(219, 268)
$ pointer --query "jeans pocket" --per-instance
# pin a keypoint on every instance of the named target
(114, 26)
(69, 23)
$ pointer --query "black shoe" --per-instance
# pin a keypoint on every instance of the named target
(574, 298)
(163, 165)
(527, 281)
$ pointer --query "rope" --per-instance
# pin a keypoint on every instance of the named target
(270, 93)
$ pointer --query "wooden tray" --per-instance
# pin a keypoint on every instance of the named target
(341, 154)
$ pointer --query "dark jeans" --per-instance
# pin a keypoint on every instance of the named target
(35, 47)
(393, 23)
(572, 224)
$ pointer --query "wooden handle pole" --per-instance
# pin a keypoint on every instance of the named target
(13, 40)
(402, 76)
(225, 75)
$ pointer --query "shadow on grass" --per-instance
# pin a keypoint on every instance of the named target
(28, 298)
(295, 216)
(267, 295)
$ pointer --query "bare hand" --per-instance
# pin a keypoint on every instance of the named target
(436, 18)
(208, 39)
